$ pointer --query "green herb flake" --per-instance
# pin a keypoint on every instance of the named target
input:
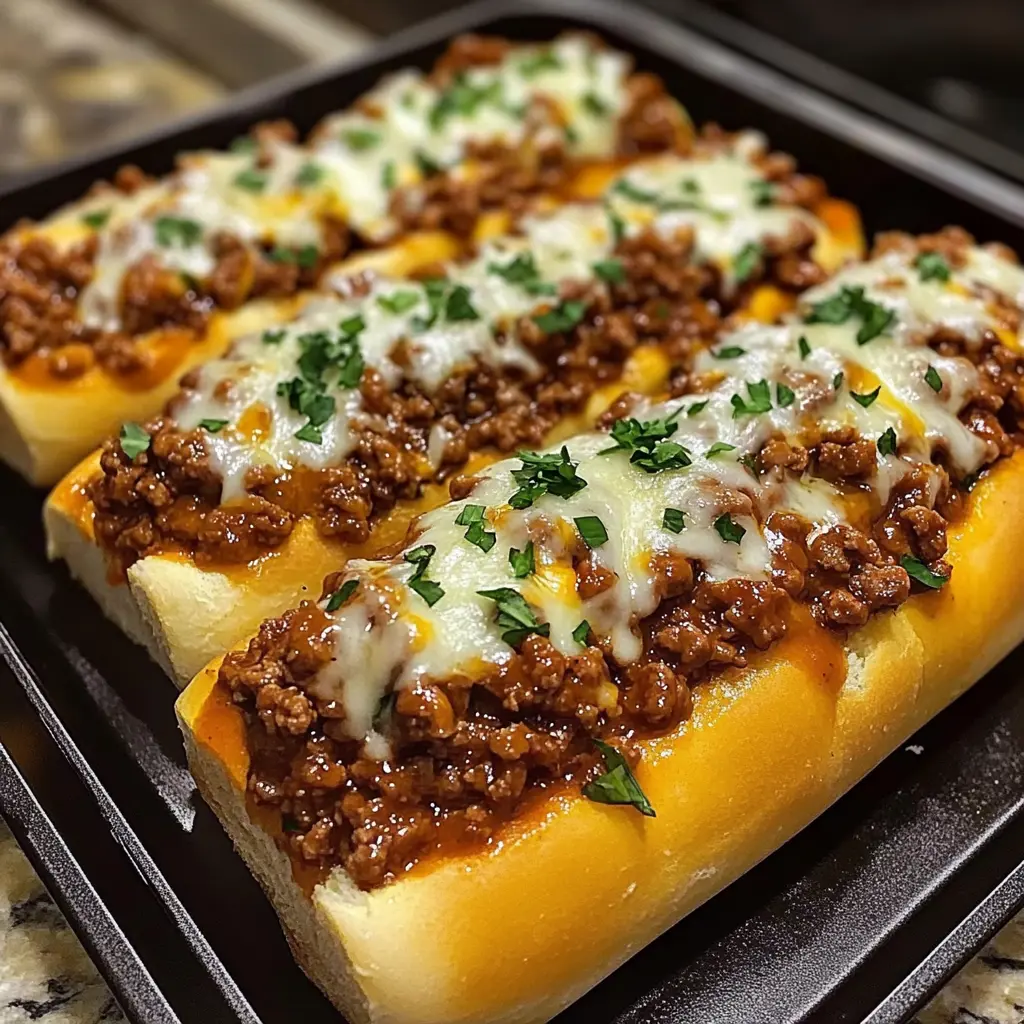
(213, 426)
(887, 443)
(624, 187)
(648, 442)
(747, 261)
(388, 176)
(243, 144)
(522, 562)
(309, 174)
(398, 302)
(581, 632)
(868, 399)
(96, 219)
(759, 400)
(554, 473)
(803, 346)
(729, 352)
(616, 225)
(762, 192)
(458, 306)
(610, 271)
(919, 571)
(618, 784)
(697, 407)
(360, 139)
(592, 530)
(594, 105)
(341, 595)
(275, 336)
(932, 266)
(251, 179)
(479, 536)
(177, 231)
(849, 303)
(837, 380)
(728, 530)
(514, 616)
(427, 165)
(522, 271)
(784, 396)
(543, 60)
(718, 448)
(673, 520)
(420, 557)
(564, 317)
(134, 440)
(932, 379)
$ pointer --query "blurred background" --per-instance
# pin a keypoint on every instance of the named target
(78, 73)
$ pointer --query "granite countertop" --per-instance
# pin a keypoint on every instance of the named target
(45, 975)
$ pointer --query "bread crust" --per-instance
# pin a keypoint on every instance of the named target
(506, 935)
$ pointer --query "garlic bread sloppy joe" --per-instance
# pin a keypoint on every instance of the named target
(673, 641)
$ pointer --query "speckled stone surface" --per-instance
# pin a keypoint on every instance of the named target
(45, 975)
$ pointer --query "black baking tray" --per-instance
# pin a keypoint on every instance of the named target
(859, 918)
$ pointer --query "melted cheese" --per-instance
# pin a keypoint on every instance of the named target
(459, 633)
(563, 246)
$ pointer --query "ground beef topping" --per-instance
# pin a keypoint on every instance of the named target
(627, 568)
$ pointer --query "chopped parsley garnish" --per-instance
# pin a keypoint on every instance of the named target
(522, 271)
(804, 347)
(134, 440)
(305, 257)
(932, 266)
(784, 396)
(759, 400)
(458, 306)
(514, 615)
(472, 516)
(919, 571)
(341, 595)
(384, 710)
(564, 317)
(649, 444)
(243, 144)
(593, 104)
(697, 407)
(592, 530)
(213, 426)
(447, 301)
(427, 164)
(616, 225)
(274, 337)
(673, 520)
(730, 352)
(624, 187)
(867, 399)
(462, 99)
(886, 444)
(420, 557)
(398, 302)
(96, 219)
(969, 482)
(718, 448)
(360, 139)
(543, 60)
(320, 352)
(762, 192)
(611, 271)
(851, 302)
(837, 380)
(581, 632)
(388, 176)
(521, 562)
(309, 174)
(177, 231)
(554, 473)
(932, 379)
(729, 531)
(618, 784)
(746, 261)
(749, 463)
(251, 180)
